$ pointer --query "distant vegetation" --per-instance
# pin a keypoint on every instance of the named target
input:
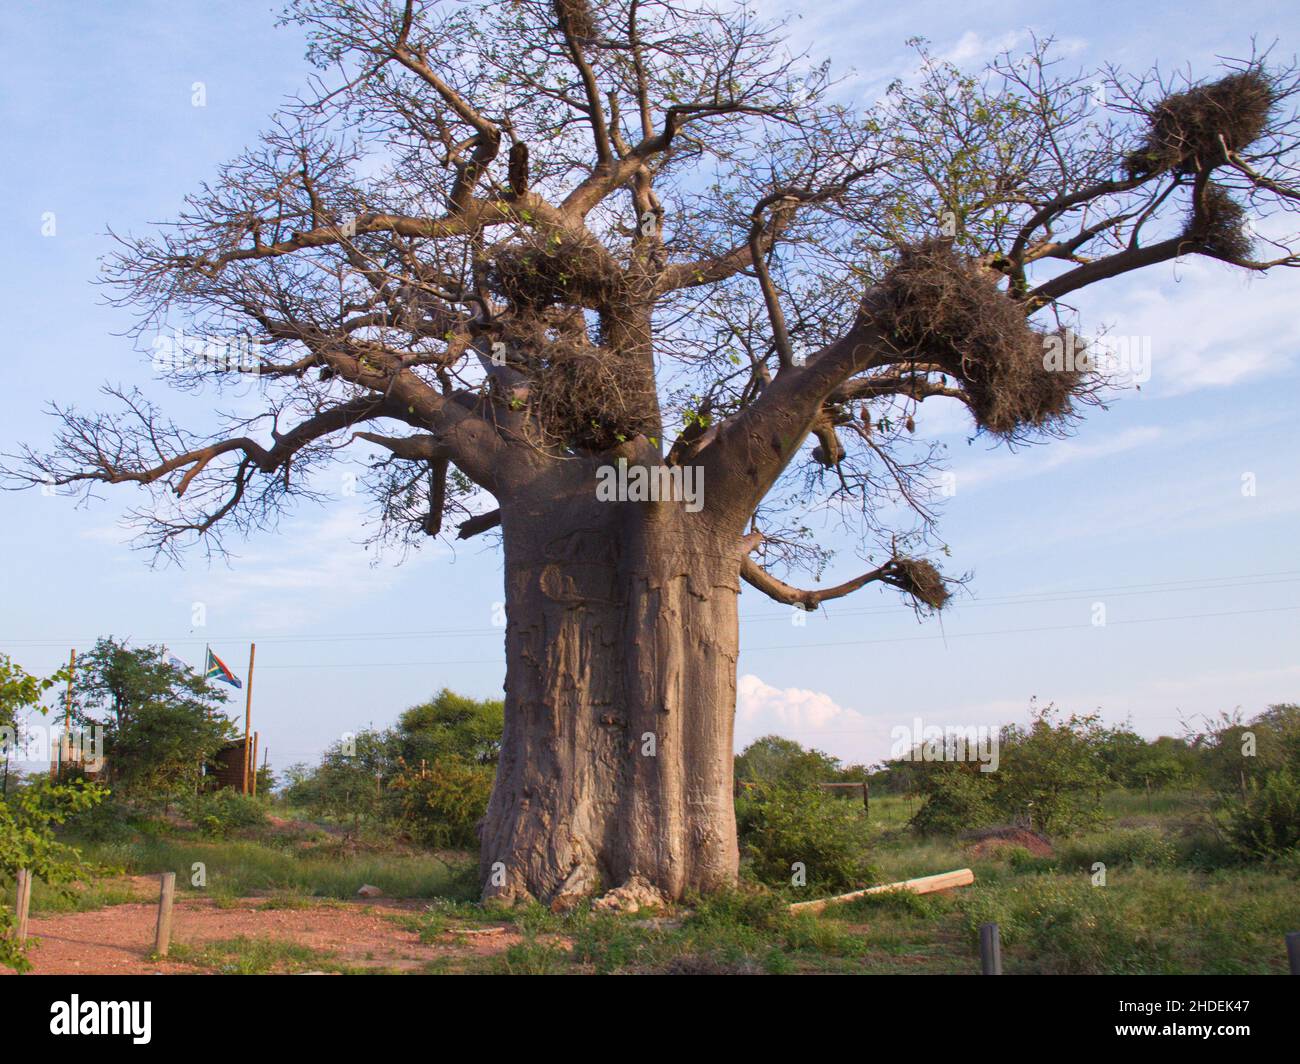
(428, 778)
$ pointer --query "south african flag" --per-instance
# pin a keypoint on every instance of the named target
(219, 670)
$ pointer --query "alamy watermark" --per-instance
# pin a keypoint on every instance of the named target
(1123, 359)
(952, 742)
(39, 745)
(225, 354)
(624, 482)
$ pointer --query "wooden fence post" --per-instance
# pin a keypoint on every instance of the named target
(990, 950)
(1293, 951)
(23, 904)
(163, 936)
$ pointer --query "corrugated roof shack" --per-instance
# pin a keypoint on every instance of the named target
(227, 767)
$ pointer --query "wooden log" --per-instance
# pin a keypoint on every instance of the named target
(962, 877)
(163, 934)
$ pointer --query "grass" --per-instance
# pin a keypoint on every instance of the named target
(253, 956)
(239, 868)
(82, 897)
(1172, 902)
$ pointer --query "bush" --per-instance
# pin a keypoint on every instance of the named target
(754, 908)
(1051, 926)
(109, 821)
(774, 761)
(1142, 847)
(1264, 822)
(218, 813)
(1050, 777)
(28, 818)
(780, 826)
(442, 805)
(957, 798)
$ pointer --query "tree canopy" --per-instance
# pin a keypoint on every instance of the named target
(536, 231)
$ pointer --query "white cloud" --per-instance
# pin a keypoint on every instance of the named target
(815, 719)
(811, 718)
(973, 48)
(1201, 337)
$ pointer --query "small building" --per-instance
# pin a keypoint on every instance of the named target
(227, 767)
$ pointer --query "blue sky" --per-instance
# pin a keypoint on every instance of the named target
(1142, 510)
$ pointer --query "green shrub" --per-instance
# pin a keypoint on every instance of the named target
(1264, 822)
(781, 826)
(774, 761)
(957, 798)
(1050, 776)
(1142, 847)
(219, 813)
(1067, 927)
(442, 804)
(28, 818)
(754, 908)
(108, 821)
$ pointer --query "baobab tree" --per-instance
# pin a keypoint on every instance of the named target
(504, 247)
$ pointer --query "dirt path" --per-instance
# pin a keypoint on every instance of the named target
(118, 939)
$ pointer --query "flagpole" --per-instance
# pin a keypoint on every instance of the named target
(248, 712)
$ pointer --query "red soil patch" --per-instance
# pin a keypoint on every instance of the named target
(999, 840)
(119, 938)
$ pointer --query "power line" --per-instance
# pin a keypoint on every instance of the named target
(838, 643)
(1019, 631)
(1219, 583)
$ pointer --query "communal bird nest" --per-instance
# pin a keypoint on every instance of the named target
(1218, 223)
(921, 580)
(578, 393)
(577, 397)
(576, 17)
(541, 271)
(1189, 130)
(942, 309)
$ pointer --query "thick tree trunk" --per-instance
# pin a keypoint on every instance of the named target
(616, 764)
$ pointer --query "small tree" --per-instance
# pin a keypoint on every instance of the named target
(776, 761)
(1255, 767)
(1136, 763)
(956, 797)
(442, 803)
(21, 691)
(1050, 775)
(161, 722)
(1051, 772)
(451, 725)
(348, 784)
(800, 836)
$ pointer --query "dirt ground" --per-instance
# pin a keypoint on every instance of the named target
(118, 939)
(989, 843)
